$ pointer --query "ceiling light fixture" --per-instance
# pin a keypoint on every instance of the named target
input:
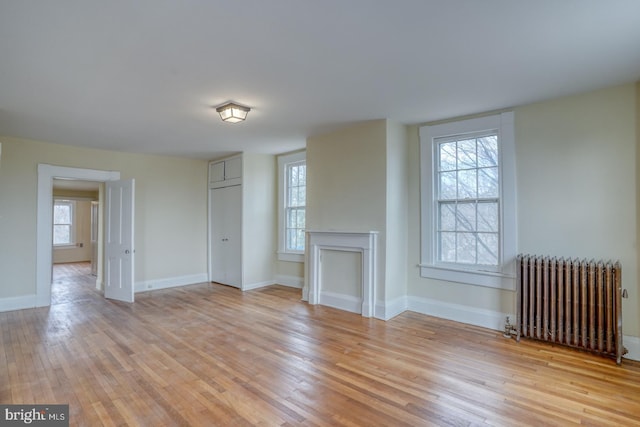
(232, 113)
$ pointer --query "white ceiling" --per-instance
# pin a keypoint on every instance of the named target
(143, 75)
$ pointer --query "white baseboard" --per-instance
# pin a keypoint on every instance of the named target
(633, 345)
(257, 285)
(390, 309)
(170, 282)
(19, 303)
(459, 313)
(290, 281)
(340, 301)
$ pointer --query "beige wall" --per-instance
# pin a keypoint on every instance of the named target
(346, 181)
(634, 302)
(576, 193)
(170, 211)
(259, 212)
(346, 184)
(397, 195)
(290, 269)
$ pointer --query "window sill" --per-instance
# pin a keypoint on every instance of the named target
(488, 279)
(290, 257)
(69, 246)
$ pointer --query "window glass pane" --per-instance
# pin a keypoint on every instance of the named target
(62, 214)
(302, 175)
(300, 240)
(488, 219)
(448, 189)
(300, 218)
(302, 195)
(488, 248)
(447, 216)
(467, 154)
(488, 151)
(448, 247)
(488, 182)
(466, 249)
(291, 238)
(61, 234)
(466, 217)
(467, 183)
(295, 226)
(447, 156)
(293, 175)
(289, 195)
(291, 218)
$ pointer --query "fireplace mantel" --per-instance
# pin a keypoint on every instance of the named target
(349, 241)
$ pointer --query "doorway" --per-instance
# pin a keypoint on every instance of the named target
(77, 240)
(44, 252)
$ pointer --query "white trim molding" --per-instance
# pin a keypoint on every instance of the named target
(170, 282)
(459, 313)
(290, 281)
(18, 303)
(363, 242)
(341, 302)
(390, 309)
(633, 345)
(257, 285)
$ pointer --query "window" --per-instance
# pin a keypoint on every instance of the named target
(292, 212)
(468, 201)
(63, 215)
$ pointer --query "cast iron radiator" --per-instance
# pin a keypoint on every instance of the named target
(577, 303)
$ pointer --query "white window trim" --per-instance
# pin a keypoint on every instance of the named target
(283, 161)
(72, 226)
(504, 276)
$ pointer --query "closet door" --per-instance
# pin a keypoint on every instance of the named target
(226, 233)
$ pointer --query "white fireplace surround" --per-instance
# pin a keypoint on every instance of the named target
(350, 241)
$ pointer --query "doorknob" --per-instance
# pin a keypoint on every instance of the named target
(126, 251)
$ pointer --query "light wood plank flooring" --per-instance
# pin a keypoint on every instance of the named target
(211, 355)
(72, 282)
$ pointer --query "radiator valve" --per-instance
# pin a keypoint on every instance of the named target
(509, 329)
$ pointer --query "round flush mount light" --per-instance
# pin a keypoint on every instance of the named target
(232, 112)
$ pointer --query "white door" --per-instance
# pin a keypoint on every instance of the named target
(95, 209)
(119, 249)
(226, 233)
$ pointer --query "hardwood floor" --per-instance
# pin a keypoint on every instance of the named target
(211, 355)
(72, 282)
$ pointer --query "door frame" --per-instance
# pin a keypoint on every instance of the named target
(44, 224)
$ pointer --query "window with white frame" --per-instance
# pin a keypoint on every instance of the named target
(63, 222)
(468, 201)
(292, 206)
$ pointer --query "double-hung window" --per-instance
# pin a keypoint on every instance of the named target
(63, 218)
(292, 212)
(468, 201)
